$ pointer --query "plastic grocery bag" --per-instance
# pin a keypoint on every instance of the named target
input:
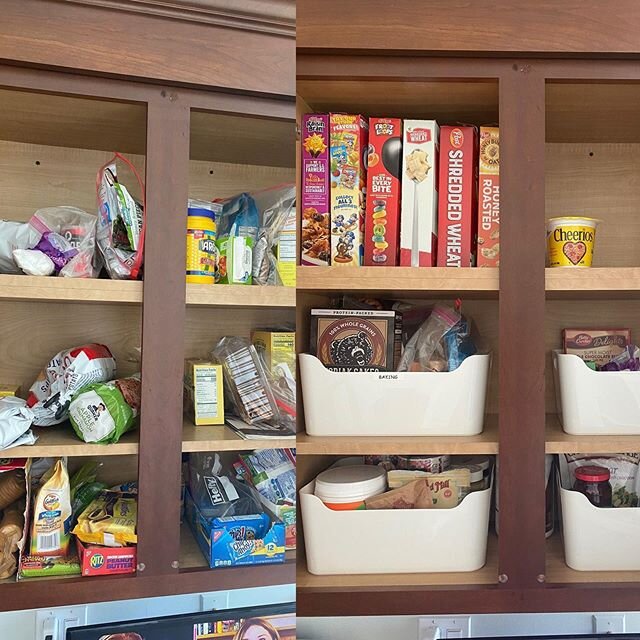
(68, 372)
(121, 223)
(14, 235)
(15, 422)
(103, 412)
(67, 236)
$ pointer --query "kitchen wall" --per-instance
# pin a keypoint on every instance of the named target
(21, 625)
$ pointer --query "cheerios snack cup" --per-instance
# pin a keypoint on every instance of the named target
(570, 241)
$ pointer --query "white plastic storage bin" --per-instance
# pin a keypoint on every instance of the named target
(598, 539)
(399, 404)
(596, 402)
(395, 540)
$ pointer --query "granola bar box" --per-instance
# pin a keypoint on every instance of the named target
(384, 166)
(457, 207)
(596, 345)
(348, 147)
(315, 190)
(347, 340)
(489, 198)
(419, 208)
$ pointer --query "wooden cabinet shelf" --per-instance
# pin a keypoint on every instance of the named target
(222, 438)
(557, 441)
(230, 295)
(596, 282)
(485, 443)
(407, 282)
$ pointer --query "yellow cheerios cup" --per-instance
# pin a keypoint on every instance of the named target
(570, 241)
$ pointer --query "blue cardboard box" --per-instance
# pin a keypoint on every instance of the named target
(236, 540)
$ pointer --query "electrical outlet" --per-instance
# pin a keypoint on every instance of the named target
(52, 624)
(458, 627)
(214, 601)
(609, 623)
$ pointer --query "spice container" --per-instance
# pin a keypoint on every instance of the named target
(593, 482)
(346, 488)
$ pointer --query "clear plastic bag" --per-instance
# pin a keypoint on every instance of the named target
(67, 235)
(121, 223)
(14, 235)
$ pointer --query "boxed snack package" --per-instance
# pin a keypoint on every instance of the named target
(106, 561)
(419, 209)
(315, 189)
(489, 198)
(276, 347)
(203, 392)
(457, 207)
(349, 138)
(353, 340)
(596, 345)
(384, 166)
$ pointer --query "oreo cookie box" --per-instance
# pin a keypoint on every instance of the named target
(347, 340)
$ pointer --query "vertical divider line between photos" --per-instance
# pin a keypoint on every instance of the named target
(163, 322)
(521, 541)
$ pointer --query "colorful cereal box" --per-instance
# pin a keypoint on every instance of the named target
(419, 209)
(349, 138)
(457, 207)
(384, 166)
(315, 190)
(489, 198)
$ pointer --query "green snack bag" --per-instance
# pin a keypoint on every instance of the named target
(44, 567)
(102, 412)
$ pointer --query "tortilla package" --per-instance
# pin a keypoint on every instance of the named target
(67, 373)
(51, 524)
(103, 412)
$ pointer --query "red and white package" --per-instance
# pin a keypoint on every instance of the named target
(68, 372)
(457, 210)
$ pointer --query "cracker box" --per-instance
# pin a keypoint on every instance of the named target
(276, 347)
(349, 142)
(315, 189)
(203, 392)
(457, 206)
(419, 208)
(106, 561)
(354, 340)
(489, 198)
(596, 345)
(384, 167)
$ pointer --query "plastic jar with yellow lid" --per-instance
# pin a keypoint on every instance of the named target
(202, 252)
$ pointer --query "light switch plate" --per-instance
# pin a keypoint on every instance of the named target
(66, 618)
(214, 601)
(609, 623)
(456, 627)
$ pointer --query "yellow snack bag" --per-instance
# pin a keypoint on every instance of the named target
(110, 520)
(52, 515)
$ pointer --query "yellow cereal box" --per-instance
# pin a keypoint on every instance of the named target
(489, 198)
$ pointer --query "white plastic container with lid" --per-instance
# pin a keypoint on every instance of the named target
(345, 488)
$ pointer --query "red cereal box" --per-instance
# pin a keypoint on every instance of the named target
(419, 212)
(348, 148)
(489, 198)
(315, 190)
(384, 166)
(457, 208)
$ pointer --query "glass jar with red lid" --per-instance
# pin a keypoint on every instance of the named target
(593, 482)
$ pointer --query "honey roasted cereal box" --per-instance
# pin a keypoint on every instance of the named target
(315, 189)
(489, 198)
(457, 208)
(419, 208)
(384, 167)
(348, 146)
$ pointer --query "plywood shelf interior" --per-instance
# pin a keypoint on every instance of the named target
(400, 281)
(229, 295)
(597, 282)
(488, 575)
(484, 443)
(223, 438)
(557, 441)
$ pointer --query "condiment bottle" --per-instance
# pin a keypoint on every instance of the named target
(593, 482)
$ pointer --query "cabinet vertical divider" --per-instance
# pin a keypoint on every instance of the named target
(163, 321)
(521, 541)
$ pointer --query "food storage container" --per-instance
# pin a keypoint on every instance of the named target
(345, 488)
(596, 402)
(390, 403)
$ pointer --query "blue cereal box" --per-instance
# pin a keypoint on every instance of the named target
(236, 540)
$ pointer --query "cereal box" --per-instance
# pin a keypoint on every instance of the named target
(349, 137)
(315, 190)
(489, 198)
(419, 209)
(458, 186)
(384, 166)
(596, 345)
(353, 340)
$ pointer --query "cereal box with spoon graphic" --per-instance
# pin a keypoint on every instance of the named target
(419, 209)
